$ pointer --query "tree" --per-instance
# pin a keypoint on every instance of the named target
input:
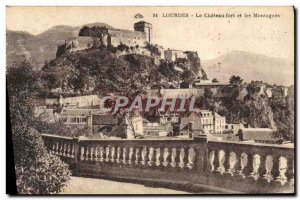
(232, 102)
(215, 80)
(235, 81)
(36, 170)
(188, 76)
(283, 113)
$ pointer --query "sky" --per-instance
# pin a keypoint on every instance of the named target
(209, 36)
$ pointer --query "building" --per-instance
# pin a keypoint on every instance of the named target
(233, 128)
(279, 92)
(190, 125)
(217, 89)
(87, 101)
(259, 135)
(153, 129)
(202, 122)
(108, 36)
(124, 126)
(144, 27)
(172, 55)
(77, 116)
(207, 120)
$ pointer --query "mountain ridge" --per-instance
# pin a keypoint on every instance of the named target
(255, 66)
(42, 47)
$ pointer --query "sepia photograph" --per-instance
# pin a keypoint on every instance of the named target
(151, 100)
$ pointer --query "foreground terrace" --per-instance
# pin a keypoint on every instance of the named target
(194, 164)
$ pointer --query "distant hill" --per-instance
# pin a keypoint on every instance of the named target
(42, 47)
(250, 66)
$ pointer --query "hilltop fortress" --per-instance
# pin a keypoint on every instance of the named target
(136, 40)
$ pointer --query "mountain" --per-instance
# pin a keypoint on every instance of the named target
(250, 66)
(39, 48)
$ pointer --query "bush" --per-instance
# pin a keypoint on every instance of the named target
(47, 176)
(37, 172)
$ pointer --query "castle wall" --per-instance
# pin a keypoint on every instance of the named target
(130, 38)
(176, 93)
(172, 55)
(180, 54)
(82, 42)
(82, 101)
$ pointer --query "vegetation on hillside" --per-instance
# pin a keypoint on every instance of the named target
(101, 71)
(255, 108)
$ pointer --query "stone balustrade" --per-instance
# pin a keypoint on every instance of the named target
(258, 162)
(235, 166)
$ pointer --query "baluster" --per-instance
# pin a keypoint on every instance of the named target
(239, 166)
(68, 150)
(82, 153)
(150, 156)
(211, 158)
(157, 156)
(57, 148)
(186, 156)
(165, 156)
(143, 155)
(97, 153)
(124, 155)
(50, 147)
(217, 162)
(278, 175)
(64, 149)
(290, 170)
(248, 169)
(53, 148)
(107, 154)
(86, 153)
(101, 154)
(262, 170)
(173, 156)
(191, 158)
(60, 148)
(137, 156)
(92, 153)
(112, 156)
(130, 155)
(118, 155)
(73, 151)
(227, 166)
(275, 169)
(181, 157)
(255, 164)
(282, 170)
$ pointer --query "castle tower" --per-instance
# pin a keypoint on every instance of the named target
(146, 27)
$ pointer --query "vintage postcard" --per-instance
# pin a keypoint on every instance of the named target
(151, 100)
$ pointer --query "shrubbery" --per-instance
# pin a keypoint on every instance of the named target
(47, 175)
(37, 172)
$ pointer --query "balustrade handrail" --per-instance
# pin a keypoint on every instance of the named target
(284, 146)
(212, 142)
